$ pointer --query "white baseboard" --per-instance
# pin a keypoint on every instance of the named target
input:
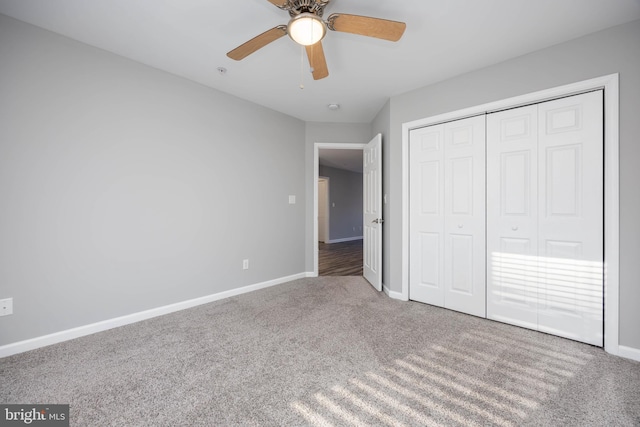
(80, 331)
(629, 352)
(393, 294)
(346, 239)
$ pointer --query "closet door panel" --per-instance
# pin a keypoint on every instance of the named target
(461, 265)
(464, 216)
(512, 241)
(571, 217)
(426, 275)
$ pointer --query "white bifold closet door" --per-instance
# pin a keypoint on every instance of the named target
(545, 217)
(447, 215)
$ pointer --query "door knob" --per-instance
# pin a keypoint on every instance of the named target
(377, 221)
(514, 228)
(460, 225)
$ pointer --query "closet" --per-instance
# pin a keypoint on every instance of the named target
(527, 248)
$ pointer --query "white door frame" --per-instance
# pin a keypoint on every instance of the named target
(611, 184)
(316, 174)
(327, 220)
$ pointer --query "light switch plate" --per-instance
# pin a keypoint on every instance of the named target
(6, 306)
(292, 200)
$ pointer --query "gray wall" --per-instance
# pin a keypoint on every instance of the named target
(615, 50)
(345, 203)
(125, 188)
(355, 133)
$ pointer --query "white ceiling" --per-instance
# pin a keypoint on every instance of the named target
(444, 38)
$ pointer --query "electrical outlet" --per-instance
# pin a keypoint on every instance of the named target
(245, 264)
(6, 307)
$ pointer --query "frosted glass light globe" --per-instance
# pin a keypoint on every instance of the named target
(306, 29)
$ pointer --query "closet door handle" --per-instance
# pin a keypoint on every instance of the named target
(514, 228)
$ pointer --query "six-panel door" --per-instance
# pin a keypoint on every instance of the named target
(372, 212)
(512, 216)
(570, 217)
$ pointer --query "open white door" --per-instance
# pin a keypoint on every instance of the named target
(372, 212)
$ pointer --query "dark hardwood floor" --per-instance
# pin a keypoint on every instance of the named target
(340, 259)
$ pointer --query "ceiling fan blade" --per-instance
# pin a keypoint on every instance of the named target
(257, 42)
(366, 26)
(317, 61)
(279, 3)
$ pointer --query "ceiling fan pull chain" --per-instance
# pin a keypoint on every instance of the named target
(301, 67)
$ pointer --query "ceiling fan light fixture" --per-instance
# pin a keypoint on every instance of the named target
(306, 29)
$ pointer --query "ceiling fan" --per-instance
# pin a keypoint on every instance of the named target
(307, 28)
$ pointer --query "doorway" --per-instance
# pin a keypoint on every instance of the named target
(371, 192)
(345, 241)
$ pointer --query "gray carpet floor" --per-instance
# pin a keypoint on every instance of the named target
(325, 351)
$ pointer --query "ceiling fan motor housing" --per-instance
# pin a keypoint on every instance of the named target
(296, 7)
